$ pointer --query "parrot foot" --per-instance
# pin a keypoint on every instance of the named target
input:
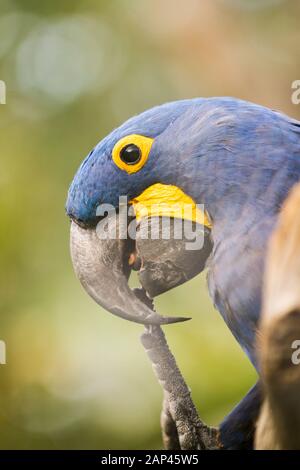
(181, 426)
(168, 427)
(186, 435)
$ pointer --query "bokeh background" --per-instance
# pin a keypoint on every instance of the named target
(77, 377)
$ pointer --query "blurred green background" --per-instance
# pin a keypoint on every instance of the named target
(77, 377)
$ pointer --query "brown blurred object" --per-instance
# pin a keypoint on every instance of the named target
(279, 423)
(227, 45)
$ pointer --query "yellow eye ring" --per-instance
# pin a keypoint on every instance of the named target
(131, 152)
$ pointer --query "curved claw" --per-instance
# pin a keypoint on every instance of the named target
(102, 268)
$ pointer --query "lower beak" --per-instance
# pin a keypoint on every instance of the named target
(167, 263)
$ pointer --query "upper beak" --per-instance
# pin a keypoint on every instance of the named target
(102, 268)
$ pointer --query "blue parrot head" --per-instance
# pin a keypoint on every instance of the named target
(132, 158)
(145, 156)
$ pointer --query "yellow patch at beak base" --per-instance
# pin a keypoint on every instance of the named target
(169, 201)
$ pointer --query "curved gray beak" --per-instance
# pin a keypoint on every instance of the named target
(102, 267)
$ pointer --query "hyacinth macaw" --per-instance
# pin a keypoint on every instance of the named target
(238, 159)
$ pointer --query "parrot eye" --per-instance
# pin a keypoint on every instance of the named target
(131, 152)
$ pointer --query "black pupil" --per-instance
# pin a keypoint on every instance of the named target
(130, 154)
